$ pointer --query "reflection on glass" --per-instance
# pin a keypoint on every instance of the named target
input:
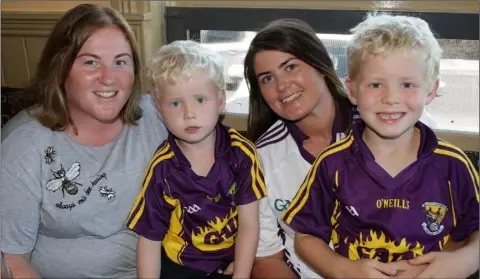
(379, 5)
(456, 108)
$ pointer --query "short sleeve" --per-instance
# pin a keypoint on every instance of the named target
(21, 197)
(311, 209)
(150, 214)
(269, 241)
(248, 173)
(465, 176)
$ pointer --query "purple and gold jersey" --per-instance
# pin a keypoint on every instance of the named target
(351, 201)
(195, 217)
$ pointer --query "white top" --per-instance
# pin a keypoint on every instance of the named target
(285, 163)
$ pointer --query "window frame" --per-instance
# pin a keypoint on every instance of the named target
(183, 22)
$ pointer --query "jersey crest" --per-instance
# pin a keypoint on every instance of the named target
(434, 214)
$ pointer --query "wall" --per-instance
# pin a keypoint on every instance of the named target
(48, 6)
(26, 26)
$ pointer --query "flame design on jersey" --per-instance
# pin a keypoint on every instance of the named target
(214, 199)
(233, 190)
(334, 220)
(377, 246)
(218, 234)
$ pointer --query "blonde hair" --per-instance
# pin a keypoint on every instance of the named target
(381, 34)
(182, 59)
(59, 54)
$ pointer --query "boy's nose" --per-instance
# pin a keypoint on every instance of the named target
(391, 96)
(189, 112)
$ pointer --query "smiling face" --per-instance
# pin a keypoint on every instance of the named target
(190, 107)
(292, 88)
(101, 78)
(390, 92)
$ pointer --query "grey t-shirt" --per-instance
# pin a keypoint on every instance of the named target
(68, 202)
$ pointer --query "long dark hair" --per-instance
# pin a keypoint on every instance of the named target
(297, 38)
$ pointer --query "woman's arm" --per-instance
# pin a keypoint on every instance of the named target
(20, 267)
(148, 258)
(270, 261)
(469, 253)
(317, 254)
(272, 266)
(247, 239)
(21, 201)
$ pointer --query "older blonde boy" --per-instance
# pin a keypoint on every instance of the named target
(198, 210)
(391, 190)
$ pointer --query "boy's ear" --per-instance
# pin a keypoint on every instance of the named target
(350, 85)
(433, 93)
(223, 100)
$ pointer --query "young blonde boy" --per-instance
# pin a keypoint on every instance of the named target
(391, 190)
(198, 210)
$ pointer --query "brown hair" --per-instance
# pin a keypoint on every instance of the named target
(59, 54)
(295, 37)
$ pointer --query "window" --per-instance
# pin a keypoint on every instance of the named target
(455, 108)
(229, 31)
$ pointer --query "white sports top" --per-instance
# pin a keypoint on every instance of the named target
(285, 163)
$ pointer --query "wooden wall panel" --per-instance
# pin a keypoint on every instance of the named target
(132, 7)
(3, 78)
(50, 6)
(19, 60)
(464, 141)
(468, 6)
(34, 48)
(14, 54)
(154, 30)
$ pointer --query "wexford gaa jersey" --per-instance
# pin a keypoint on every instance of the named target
(350, 200)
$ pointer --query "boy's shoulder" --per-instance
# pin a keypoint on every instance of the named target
(445, 154)
(235, 146)
(235, 138)
(335, 154)
(162, 156)
(450, 156)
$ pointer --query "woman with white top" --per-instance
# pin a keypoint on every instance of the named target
(298, 107)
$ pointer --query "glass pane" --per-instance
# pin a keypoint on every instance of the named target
(233, 46)
(456, 108)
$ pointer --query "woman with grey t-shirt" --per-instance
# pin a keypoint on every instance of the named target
(73, 164)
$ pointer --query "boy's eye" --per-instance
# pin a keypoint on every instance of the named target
(175, 104)
(407, 85)
(201, 100)
(375, 85)
(266, 79)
